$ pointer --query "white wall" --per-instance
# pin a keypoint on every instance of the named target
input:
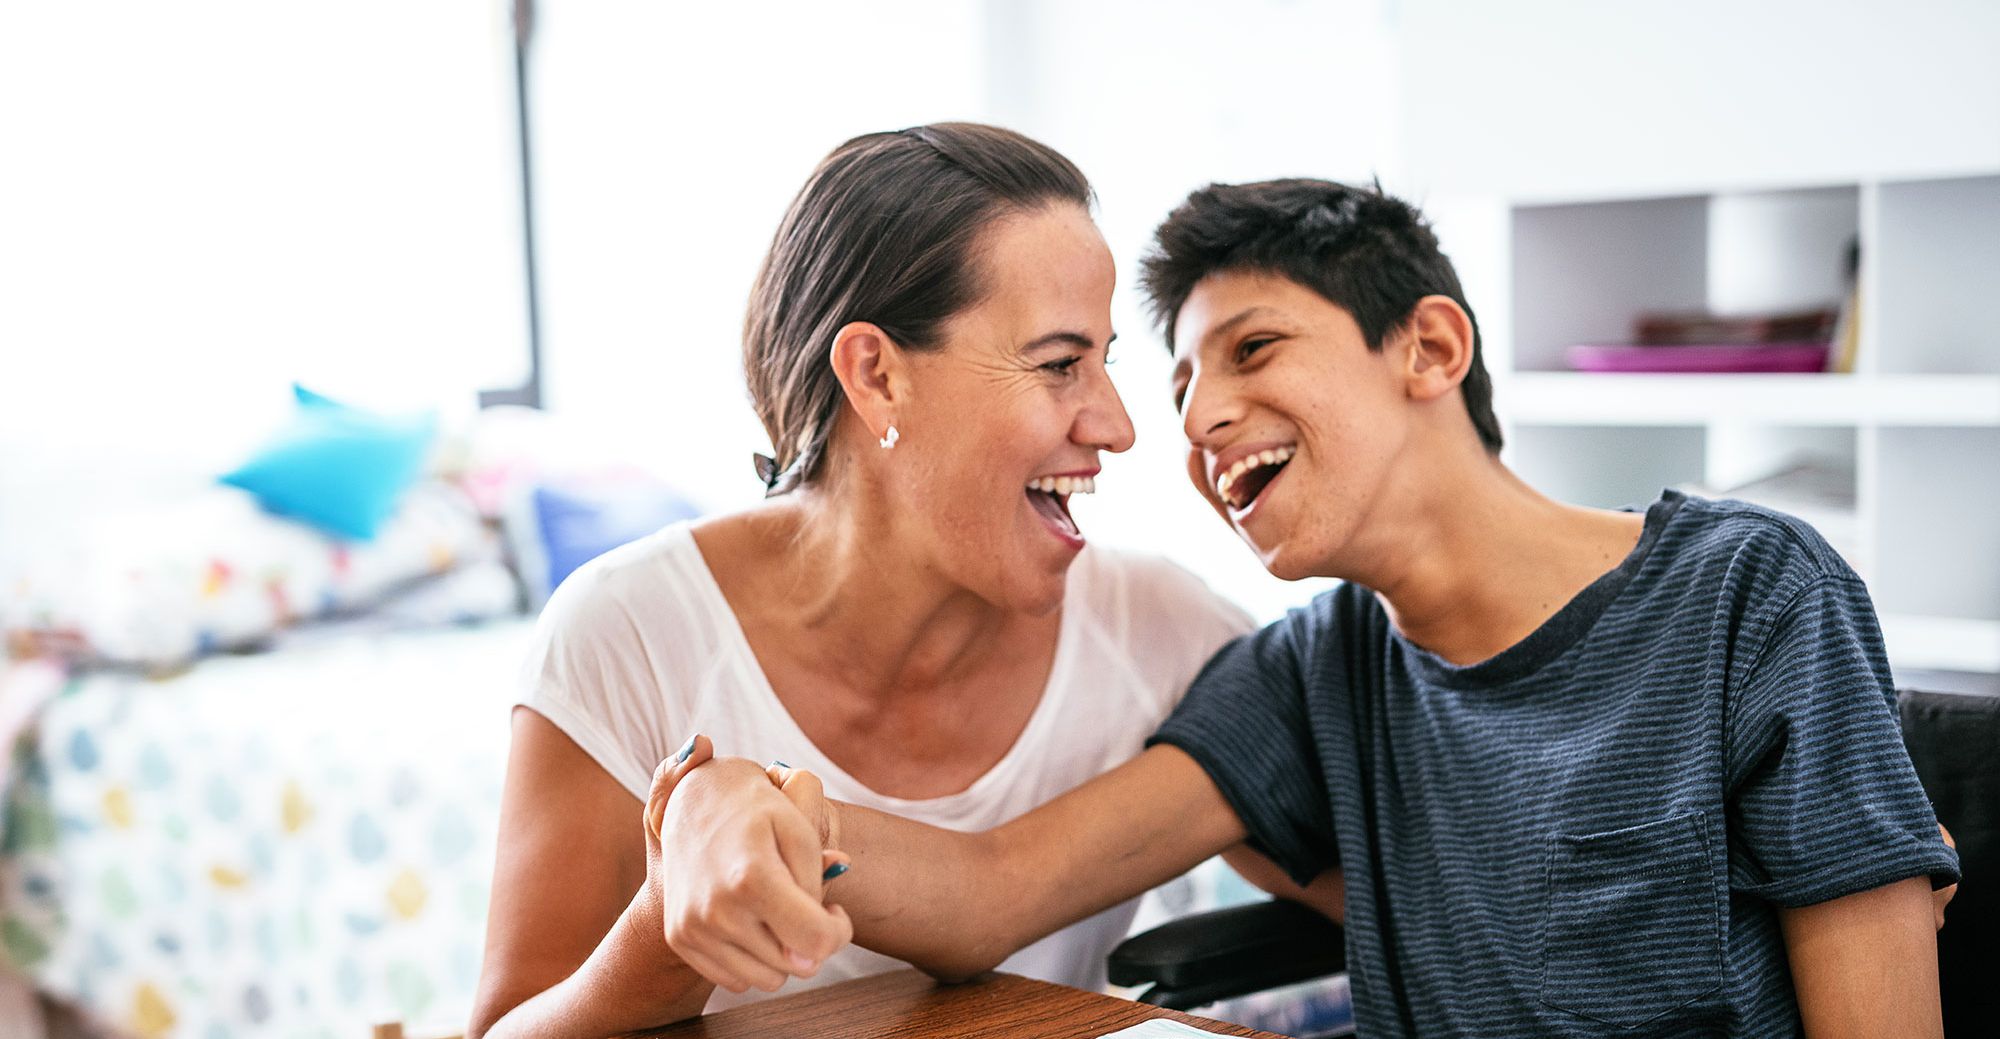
(1576, 98)
(203, 201)
(671, 137)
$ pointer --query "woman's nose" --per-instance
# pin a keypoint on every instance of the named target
(1104, 423)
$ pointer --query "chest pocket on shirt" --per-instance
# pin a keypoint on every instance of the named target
(1633, 927)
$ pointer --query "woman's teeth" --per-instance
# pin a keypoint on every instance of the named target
(1064, 484)
(1273, 456)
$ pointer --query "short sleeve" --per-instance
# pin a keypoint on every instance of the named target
(1173, 623)
(588, 673)
(1244, 721)
(1823, 801)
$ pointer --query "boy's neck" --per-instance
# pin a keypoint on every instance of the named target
(1480, 559)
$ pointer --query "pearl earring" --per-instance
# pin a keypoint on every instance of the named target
(889, 439)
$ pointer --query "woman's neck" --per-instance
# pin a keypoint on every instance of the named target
(854, 596)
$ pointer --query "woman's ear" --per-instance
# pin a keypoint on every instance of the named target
(870, 368)
(1441, 344)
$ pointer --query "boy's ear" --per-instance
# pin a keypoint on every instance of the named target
(870, 367)
(1440, 335)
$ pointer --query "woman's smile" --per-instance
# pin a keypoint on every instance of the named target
(1049, 497)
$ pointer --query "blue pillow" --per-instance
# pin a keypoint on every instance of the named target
(338, 468)
(562, 525)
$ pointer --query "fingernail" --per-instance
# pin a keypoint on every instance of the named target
(775, 763)
(801, 964)
(686, 749)
(833, 871)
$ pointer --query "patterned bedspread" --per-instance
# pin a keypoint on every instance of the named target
(297, 843)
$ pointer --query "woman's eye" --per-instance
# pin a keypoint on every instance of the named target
(1062, 366)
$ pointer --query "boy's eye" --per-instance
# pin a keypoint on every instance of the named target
(1251, 346)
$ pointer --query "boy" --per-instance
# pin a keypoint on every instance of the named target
(1581, 771)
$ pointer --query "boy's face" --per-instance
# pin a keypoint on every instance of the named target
(1292, 422)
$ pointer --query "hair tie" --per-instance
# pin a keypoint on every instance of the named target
(767, 469)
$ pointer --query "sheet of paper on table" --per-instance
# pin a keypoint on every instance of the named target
(1158, 1029)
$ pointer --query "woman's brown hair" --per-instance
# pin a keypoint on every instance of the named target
(884, 231)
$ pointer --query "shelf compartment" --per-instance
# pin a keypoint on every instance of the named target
(1933, 257)
(1937, 554)
(1582, 273)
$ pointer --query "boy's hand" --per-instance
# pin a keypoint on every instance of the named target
(736, 865)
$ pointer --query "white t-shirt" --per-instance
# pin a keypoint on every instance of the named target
(639, 650)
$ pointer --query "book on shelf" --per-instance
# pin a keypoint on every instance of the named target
(1704, 329)
(1699, 357)
(1805, 339)
(1787, 341)
(1847, 325)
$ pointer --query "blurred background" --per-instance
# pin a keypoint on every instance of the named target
(257, 722)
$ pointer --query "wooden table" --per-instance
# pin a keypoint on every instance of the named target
(905, 1004)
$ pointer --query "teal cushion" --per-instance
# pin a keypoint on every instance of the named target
(338, 468)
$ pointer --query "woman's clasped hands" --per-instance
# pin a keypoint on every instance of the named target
(738, 859)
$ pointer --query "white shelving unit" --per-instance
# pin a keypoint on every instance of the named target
(1586, 399)
(1914, 431)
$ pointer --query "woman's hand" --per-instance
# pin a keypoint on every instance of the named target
(735, 856)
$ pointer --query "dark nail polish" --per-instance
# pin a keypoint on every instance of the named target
(833, 871)
(686, 749)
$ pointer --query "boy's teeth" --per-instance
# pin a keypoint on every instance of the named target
(1271, 456)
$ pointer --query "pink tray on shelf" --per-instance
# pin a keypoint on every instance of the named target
(1767, 357)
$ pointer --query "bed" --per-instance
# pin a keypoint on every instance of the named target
(255, 724)
(292, 843)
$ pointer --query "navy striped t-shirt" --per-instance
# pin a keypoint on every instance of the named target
(1590, 833)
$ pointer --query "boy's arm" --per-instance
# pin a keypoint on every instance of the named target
(1327, 893)
(1866, 964)
(959, 904)
(1828, 820)
(953, 904)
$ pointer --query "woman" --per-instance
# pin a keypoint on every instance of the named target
(910, 614)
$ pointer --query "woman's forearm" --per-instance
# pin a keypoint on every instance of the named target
(630, 982)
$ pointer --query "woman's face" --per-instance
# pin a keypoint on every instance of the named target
(1009, 416)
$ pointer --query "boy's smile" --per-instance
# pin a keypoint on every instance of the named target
(1243, 472)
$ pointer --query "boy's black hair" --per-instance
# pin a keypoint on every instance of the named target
(1364, 251)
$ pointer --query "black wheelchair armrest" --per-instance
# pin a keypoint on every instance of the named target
(1954, 742)
(1199, 959)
